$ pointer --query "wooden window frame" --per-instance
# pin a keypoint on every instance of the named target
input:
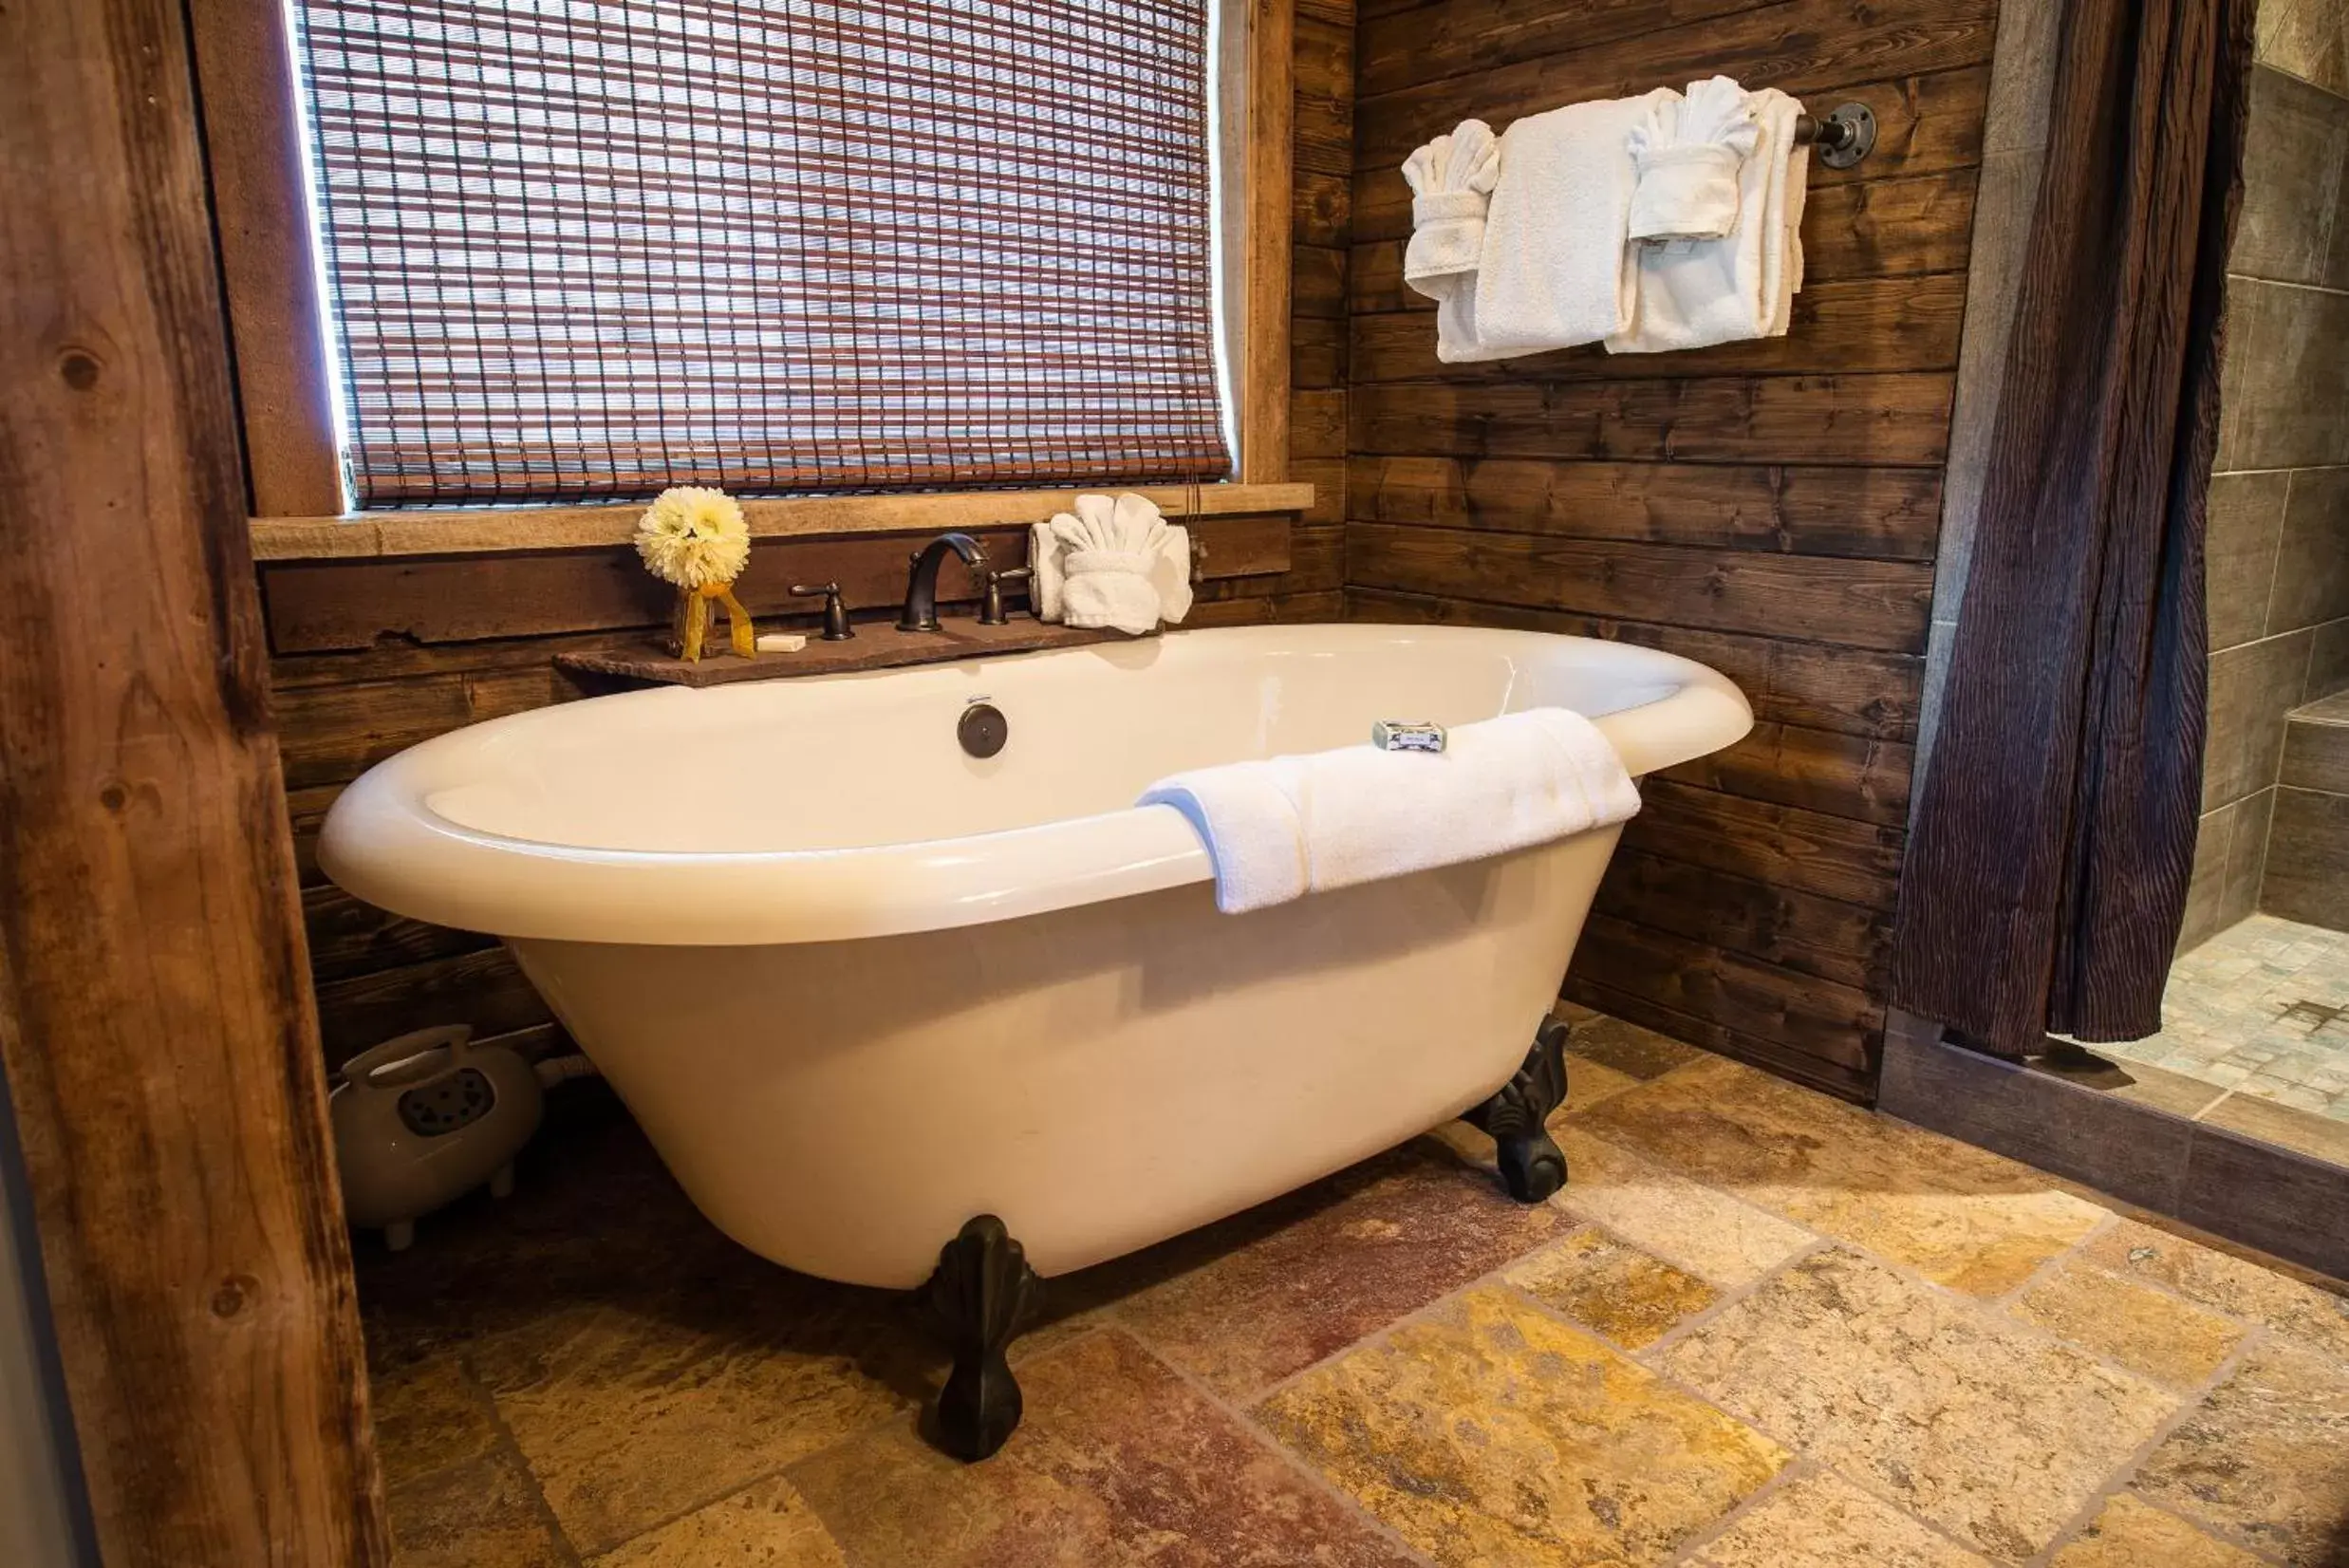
(253, 133)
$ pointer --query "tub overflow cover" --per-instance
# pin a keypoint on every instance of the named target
(983, 729)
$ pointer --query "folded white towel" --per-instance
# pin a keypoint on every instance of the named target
(1286, 826)
(1451, 180)
(1693, 293)
(1114, 562)
(1687, 153)
(1557, 268)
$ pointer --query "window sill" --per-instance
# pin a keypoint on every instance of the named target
(367, 535)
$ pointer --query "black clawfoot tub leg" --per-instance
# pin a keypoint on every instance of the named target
(1532, 1165)
(979, 1297)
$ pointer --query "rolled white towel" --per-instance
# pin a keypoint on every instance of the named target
(1451, 180)
(1286, 826)
(1687, 153)
(1694, 293)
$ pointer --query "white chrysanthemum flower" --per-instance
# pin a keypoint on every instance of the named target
(694, 537)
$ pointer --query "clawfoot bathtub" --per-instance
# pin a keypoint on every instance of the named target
(862, 989)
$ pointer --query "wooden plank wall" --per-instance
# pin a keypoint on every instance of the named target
(1768, 507)
(1320, 231)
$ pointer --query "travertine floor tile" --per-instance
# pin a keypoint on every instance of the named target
(428, 1417)
(2266, 1456)
(2233, 1286)
(1822, 1521)
(1628, 1049)
(477, 1514)
(1589, 1082)
(1991, 1433)
(1402, 1230)
(2130, 1535)
(1970, 1220)
(1605, 1284)
(1119, 1464)
(1707, 1233)
(1491, 1434)
(2143, 1329)
(767, 1524)
(628, 1420)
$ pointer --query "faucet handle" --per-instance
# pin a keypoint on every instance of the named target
(990, 612)
(836, 627)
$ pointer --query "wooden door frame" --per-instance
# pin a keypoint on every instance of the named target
(156, 1015)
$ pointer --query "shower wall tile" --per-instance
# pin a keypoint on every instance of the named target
(2246, 856)
(2252, 687)
(2312, 565)
(2206, 888)
(2307, 875)
(2286, 378)
(2294, 226)
(2316, 747)
(2245, 521)
(2328, 662)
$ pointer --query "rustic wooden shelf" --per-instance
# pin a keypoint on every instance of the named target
(877, 646)
(430, 531)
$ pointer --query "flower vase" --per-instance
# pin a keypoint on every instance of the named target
(692, 627)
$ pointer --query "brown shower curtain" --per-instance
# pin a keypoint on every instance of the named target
(2046, 876)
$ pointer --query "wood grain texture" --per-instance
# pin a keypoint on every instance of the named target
(1869, 604)
(1858, 1084)
(1263, 391)
(1778, 925)
(1762, 1001)
(877, 646)
(161, 1052)
(506, 529)
(1901, 420)
(319, 606)
(250, 124)
(1403, 44)
(1890, 513)
(1799, 47)
(1848, 691)
(1785, 845)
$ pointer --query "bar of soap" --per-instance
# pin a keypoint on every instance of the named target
(1406, 735)
(781, 642)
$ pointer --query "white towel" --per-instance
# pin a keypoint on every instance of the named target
(1115, 562)
(1451, 180)
(1557, 268)
(1693, 293)
(1287, 825)
(1688, 153)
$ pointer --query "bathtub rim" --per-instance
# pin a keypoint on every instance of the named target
(383, 842)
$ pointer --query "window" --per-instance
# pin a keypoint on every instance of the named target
(577, 251)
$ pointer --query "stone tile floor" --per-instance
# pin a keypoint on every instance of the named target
(2261, 1009)
(1760, 1329)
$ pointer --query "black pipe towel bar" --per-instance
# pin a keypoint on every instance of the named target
(1844, 137)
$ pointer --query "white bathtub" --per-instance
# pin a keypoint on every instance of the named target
(859, 986)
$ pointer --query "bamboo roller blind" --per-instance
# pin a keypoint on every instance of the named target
(582, 251)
